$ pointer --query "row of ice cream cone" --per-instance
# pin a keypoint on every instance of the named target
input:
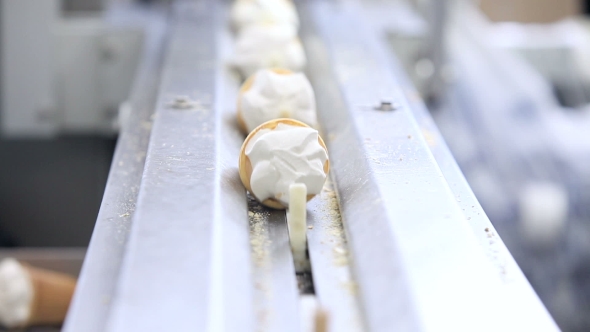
(275, 108)
(276, 104)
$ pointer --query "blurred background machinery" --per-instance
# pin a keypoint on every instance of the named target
(66, 69)
(514, 110)
(507, 83)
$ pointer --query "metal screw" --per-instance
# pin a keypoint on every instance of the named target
(182, 102)
(386, 106)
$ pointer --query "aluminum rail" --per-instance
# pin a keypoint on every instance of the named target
(99, 275)
(418, 261)
(187, 263)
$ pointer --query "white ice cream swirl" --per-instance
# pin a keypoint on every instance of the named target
(285, 155)
(276, 95)
(246, 13)
(268, 46)
(16, 293)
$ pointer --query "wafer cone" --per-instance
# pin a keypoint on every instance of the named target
(245, 166)
(244, 88)
(52, 293)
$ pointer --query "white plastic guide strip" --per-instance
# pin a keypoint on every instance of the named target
(297, 222)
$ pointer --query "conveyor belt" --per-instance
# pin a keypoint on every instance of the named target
(390, 246)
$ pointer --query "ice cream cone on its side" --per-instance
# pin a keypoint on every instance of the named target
(245, 166)
(32, 296)
(52, 294)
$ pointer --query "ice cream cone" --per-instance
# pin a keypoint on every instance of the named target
(263, 46)
(244, 88)
(52, 293)
(246, 13)
(32, 296)
(245, 166)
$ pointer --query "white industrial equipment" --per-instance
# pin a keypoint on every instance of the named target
(64, 74)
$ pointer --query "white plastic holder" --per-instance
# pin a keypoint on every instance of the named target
(297, 222)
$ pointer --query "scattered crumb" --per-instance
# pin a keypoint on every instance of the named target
(429, 137)
(327, 189)
(310, 227)
(126, 214)
(259, 238)
(331, 211)
(487, 229)
(409, 136)
(147, 125)
(350, 286)
(339, 250)
(260, 243)
(340, 256)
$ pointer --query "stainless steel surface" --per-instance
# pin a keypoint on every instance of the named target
(442, 277)
(495, 249)
(96, 285)
(276, 297)
(387, 294)
(187, 258)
